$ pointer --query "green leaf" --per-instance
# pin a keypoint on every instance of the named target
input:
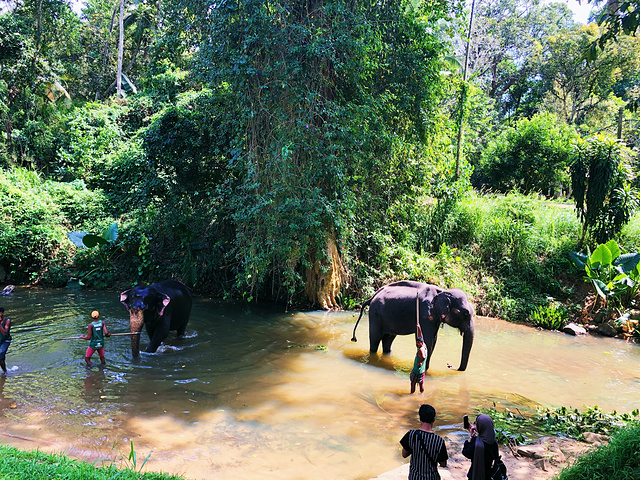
(628, 261)
(579, 260)
(601, 288)
(111, 233)
(613, 248)
(602, 255)
(91, 240)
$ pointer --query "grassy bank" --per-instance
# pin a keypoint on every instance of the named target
(37, 465)
(617, 460)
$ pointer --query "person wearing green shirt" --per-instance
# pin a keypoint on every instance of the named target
(96, 331)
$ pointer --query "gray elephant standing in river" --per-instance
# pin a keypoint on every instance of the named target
(392, 312)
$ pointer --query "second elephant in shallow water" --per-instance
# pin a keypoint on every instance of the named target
(160, 307)
(392, 312)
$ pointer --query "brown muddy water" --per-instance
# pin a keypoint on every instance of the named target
(256, 393)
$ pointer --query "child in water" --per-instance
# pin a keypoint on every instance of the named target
(419, 364)
(96, 331)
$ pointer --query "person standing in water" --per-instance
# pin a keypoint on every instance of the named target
(419, 365)
(96, 331)
(5, 339)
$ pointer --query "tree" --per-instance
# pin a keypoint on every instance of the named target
(505, 35)
(38, 48)
(601, 183)
(576, 88)
(336, 103)
(617, 18)
(531, 156)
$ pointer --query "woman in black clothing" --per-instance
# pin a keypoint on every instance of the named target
(481, 448)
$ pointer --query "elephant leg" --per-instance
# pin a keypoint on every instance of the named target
(375, 336)
(387, 340)
(159, 334)
(374, 343)
(180, 331)
(150, 330)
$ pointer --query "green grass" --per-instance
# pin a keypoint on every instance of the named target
(617, 460)
(37, 465)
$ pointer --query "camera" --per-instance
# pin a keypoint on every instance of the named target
(465, 420)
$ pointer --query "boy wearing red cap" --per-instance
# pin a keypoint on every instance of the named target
(96, 331)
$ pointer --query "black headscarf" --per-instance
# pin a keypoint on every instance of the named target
(486, 435)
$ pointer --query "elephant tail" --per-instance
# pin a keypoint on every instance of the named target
(365, 304)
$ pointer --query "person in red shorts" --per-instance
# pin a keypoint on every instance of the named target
(96, 331)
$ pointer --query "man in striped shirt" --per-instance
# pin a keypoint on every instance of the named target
(427, 449)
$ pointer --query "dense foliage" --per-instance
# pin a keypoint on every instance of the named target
(261, 135)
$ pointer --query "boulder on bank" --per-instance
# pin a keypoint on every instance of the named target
(574, 329)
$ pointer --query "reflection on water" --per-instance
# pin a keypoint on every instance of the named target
(257, 393)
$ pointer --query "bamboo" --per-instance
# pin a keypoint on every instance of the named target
(418, 314)
(112, 335)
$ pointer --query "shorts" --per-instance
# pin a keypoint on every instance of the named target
(91, 350)
(416, 377)
(4, 346)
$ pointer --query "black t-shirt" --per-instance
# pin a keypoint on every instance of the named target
(427, 450)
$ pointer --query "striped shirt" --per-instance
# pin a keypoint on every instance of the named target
(427, 450)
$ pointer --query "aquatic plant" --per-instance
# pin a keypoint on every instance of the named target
(513, 427)
(549, 317)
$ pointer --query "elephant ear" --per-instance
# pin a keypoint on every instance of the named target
(124, 296)
(165, 303)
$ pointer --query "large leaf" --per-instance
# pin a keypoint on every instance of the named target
(76, 238)
(579, 260)
(111, 233)
(614, 249)
(91, 240)
(601, 255)
(601, 288)
(628, 261)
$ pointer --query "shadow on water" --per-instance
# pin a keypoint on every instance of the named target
(258, 393)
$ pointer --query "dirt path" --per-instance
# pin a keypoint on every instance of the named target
(539, 461)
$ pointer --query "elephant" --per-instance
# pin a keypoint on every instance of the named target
(392, 312)
(161, 307)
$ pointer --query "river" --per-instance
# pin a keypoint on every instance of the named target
(256, 393)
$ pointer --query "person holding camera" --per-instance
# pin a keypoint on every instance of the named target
(481, 448)
(427, 449)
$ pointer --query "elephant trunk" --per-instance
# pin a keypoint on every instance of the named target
(136, 320)
(467, 343)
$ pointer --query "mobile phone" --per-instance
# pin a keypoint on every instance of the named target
(465, 419)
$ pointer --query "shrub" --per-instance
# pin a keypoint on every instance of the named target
(531, 156)
(36, 215)
(602, 186)
(549, 317)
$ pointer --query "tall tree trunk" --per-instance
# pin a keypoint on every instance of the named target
(463, 93)
(120, 49)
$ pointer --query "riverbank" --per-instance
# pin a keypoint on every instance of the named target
(36, 465)
(542, 460)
